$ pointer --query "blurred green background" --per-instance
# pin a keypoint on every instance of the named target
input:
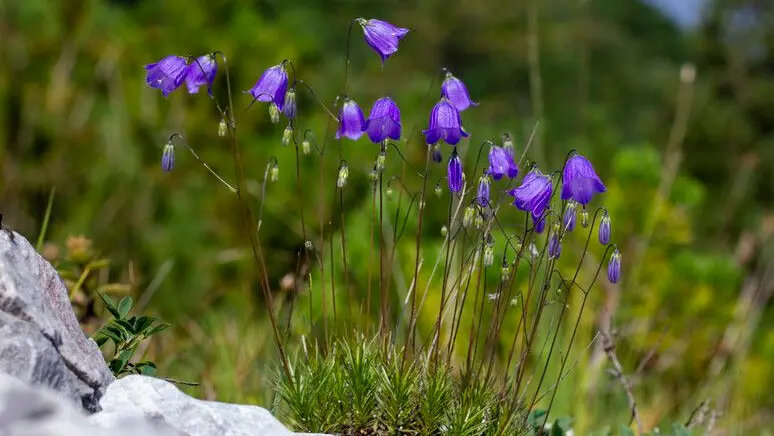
(689, 166)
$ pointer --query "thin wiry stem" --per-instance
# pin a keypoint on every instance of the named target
(201, 161)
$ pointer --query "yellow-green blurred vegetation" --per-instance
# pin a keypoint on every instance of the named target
(688, 163)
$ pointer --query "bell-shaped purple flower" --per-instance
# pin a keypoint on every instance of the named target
(383, 122)
(482, 196)
(569, 218)
(580, 181)
(272, 85)
(455, 173)
(501, 163)
(456, 92)
(445, 124)
(201, 72)
(554, 246)
(534, 194)
(350, 120)
(614, 267)
(167, 74)
(290, 109)
(168, 157)
(604, 230)
(382, 36)
(540, 223)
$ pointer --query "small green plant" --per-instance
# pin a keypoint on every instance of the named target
(127, 334)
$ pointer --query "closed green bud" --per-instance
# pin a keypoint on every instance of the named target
(341, 181)
(373, 175)
(380, 161)
(584, 218)
(444, 231)
(287, 135)
(505, 272)
(388, 193)
(507, 141)
(488, 255)
(468, 216)
(308, 245)
(274, 113)
(306, 147)
(274, 173)
(478, 221)
(222, 128)
(438, 191)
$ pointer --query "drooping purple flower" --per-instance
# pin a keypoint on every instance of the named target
(350, 120)
(554, 246)
(534, 194)
(482, 196)
(445, 124)
(604, 230)
(453, 89)
(540, 223)
(501, 163)
(271, 86)
(382, 36)
(168, 157)
(290, 103)
(455, 173)
(167, 74)
(383, 122)
(201, 72)
(580, 181)
(568, 221)
(614, 267)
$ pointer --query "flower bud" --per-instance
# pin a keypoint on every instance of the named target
(308, 245)
(436, 154)
(438, 190)
(554, 246)
(274, 113)
(505, 272)
(514, 301)
(568, 221)
(614, 267)
(373, 176)
(341, 181)
(468, 216)
(306, 147)
(274, 173)
(507, 141)
(168, 157)
(488, 255)
(482, 196)
(380, 160)
(533, 251)
(289, 109)
(287, 135)
(604, 230)
(222, 128)
(585, 218)
(478, 221)
(444, 231)
(388, 192)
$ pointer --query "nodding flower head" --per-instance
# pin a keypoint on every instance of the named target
(455, 173)
(568, 221)
(501, 163)
(168, 157)
(580, 181)
(456, 92)
(614, 267)
(201, 72)
(290, 104)
(167, 74)
(533, 196)
(540, 223)
(445, 124)
(382, 36)
(554, 246)
(383, 122)
(604, 230)
(272, 86)
(350, 120)
(482, 196)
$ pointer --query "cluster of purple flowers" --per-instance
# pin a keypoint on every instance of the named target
(580, 182)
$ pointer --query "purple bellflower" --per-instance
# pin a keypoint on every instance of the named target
(201, 72)
(445, 124)
(482, 196)
(383, 122)
(272, 86)
(350, 120)
(604, 230)
(614, 267)
(501, 163)
(580, 181)
(455, 173)
(290, 103)
(453, 89)
(569, 219)
(382, 36)
(534, 196)
(168, 157)
(167, 74)
(554, 246)
(540, 223)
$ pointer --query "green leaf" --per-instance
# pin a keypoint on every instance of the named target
(147, 368)
(625, 431)
(158, 328)
(100, 340)
(125, 324)
(142, 323)
(535, 417)
(115, 333)
(124, 307)
(111, 307)
(121, 360)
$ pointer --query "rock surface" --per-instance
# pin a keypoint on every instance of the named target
(40, 340)
(36, 411)
(140, 396)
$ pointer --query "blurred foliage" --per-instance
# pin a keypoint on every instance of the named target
(693, 315)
